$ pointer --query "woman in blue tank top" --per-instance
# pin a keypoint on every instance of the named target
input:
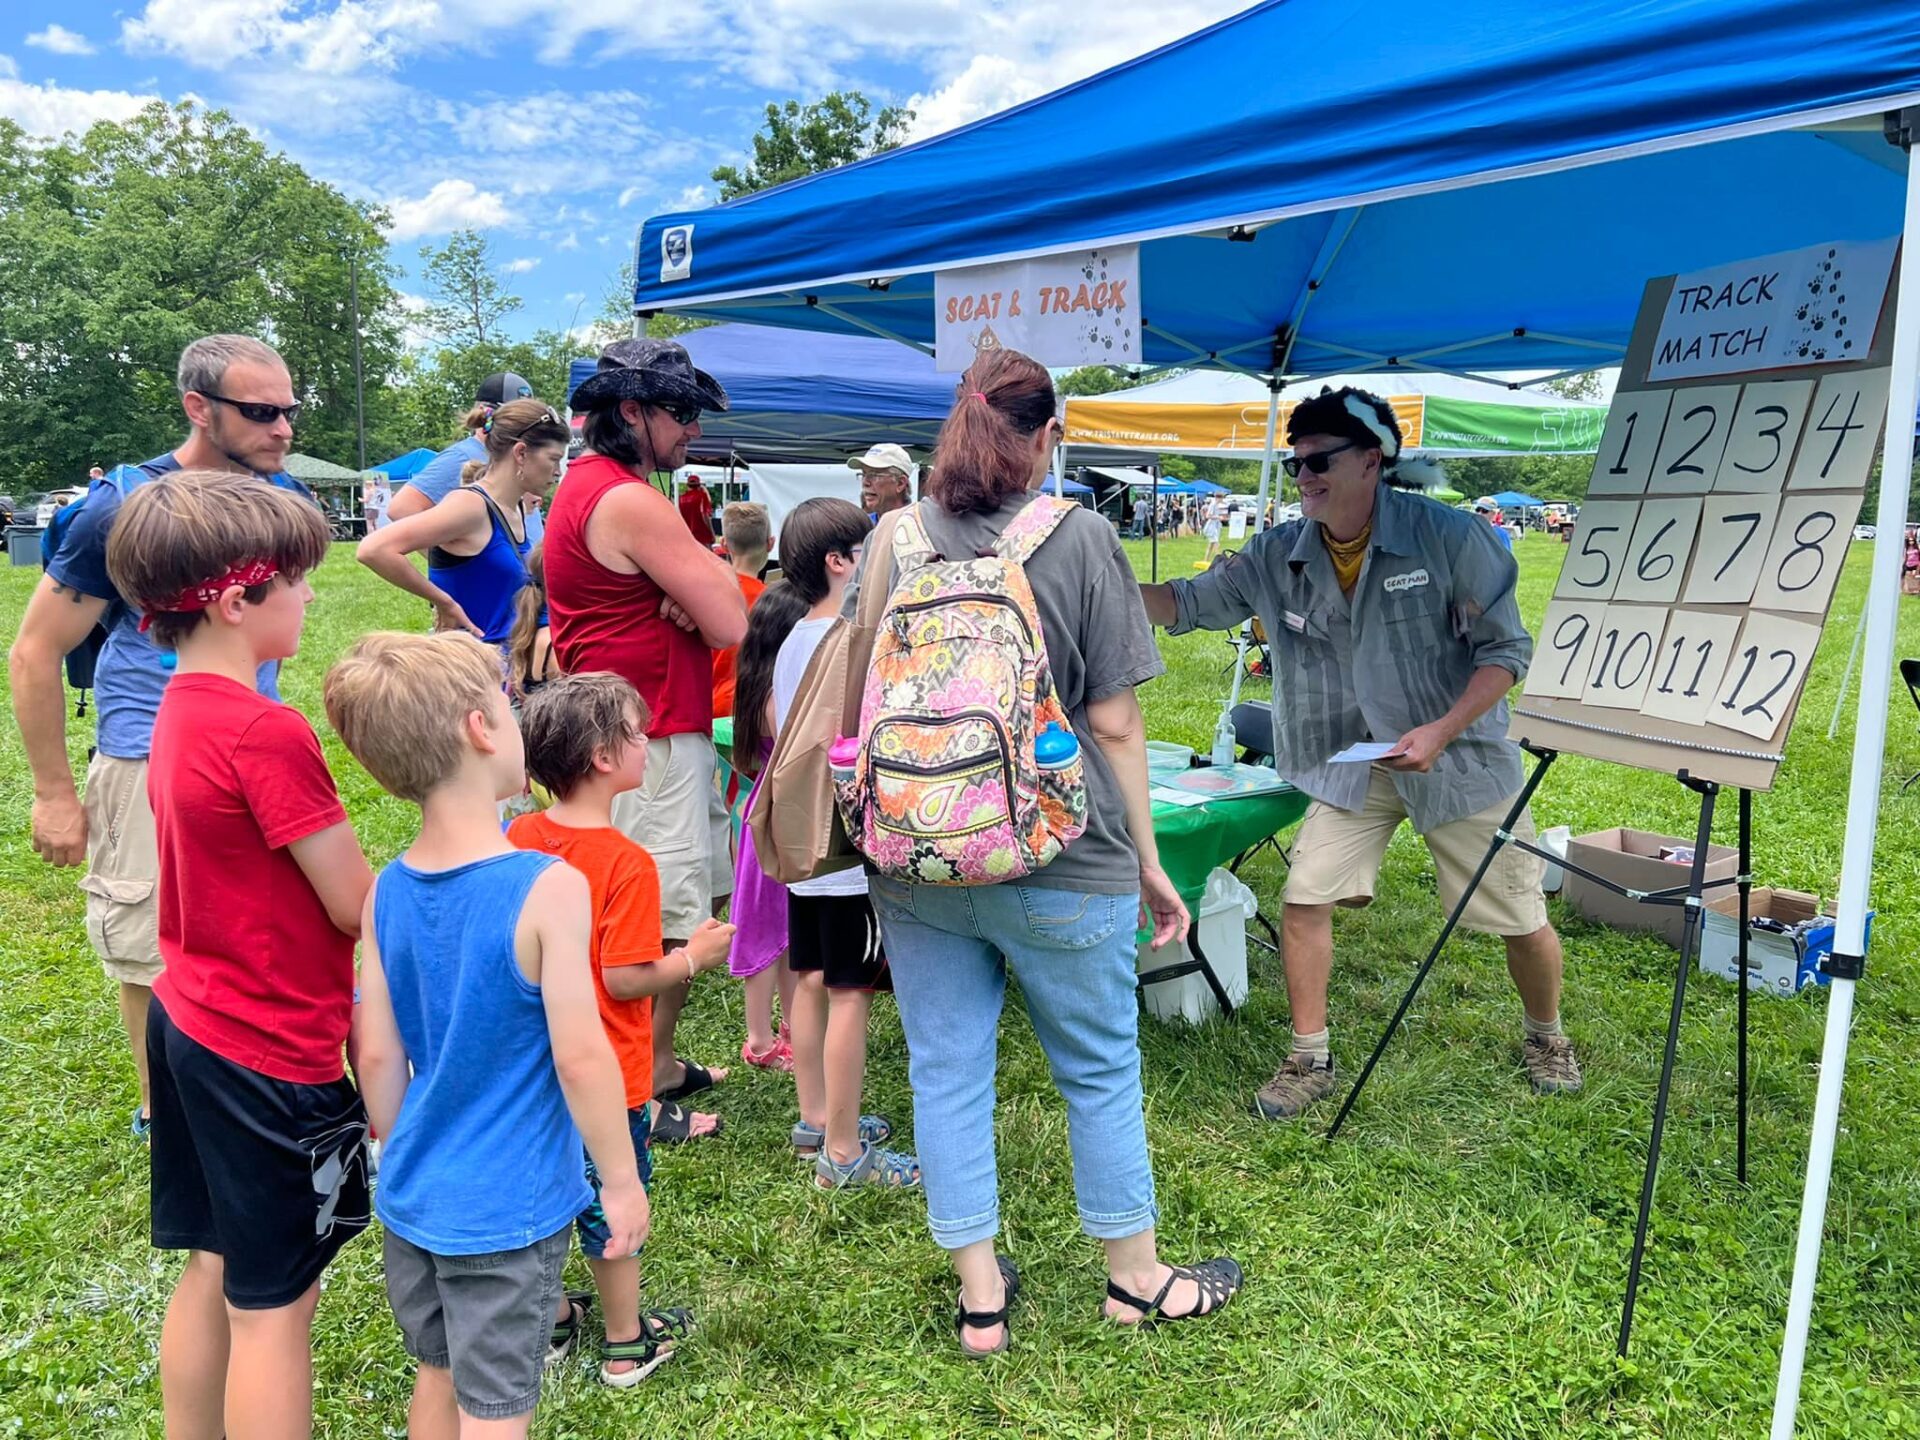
(475, 540)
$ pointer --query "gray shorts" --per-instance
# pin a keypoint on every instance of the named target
(485, 1318)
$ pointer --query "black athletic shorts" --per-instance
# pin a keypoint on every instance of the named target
(838, 936)
(269, 1175)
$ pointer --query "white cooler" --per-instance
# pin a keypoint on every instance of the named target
(1221, 927)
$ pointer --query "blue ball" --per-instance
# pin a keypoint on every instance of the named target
(168, 659)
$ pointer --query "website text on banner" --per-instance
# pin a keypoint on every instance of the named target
(1081, 308)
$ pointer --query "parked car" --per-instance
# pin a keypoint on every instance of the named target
(1864, 532)
(53, 501)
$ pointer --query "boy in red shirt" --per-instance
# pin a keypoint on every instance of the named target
(258, 1137)
(586, 742)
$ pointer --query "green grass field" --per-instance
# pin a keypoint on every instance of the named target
(1451, 1267)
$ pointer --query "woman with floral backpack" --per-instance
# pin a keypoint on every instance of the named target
(1082, 866)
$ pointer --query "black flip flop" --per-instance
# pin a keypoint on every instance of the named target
(674, 1125)
(698, 1078)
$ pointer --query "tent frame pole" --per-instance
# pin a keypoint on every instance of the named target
(1848, 960)
(1259, 512)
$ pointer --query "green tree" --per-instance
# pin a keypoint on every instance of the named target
(469, 300)
(1587, 386)
(797, 140)
(615, 320)
(1094, 380)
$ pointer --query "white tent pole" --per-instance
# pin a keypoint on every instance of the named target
(1259, 513)
(1846, 680)
(1863, 799)
(1060, 469)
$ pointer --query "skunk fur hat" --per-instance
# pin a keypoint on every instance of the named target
(1366, 420)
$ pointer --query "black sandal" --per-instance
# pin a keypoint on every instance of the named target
(965, 1319)
(698, 1078)
(660, 1330)
(1217, 1280)
(674, 1125)
(566, 1332)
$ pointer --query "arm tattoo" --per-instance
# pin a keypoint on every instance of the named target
(67, 590)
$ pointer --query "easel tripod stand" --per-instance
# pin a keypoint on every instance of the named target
(1691, 896)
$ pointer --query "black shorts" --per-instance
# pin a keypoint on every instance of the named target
(838, 936)
(269, 1175)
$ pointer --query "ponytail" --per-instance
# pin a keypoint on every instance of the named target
(985, 452)
(529, 616)
(780, 607)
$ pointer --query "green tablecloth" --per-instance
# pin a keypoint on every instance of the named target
(1194, 839)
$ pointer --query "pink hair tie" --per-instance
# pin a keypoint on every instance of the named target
(980, 396)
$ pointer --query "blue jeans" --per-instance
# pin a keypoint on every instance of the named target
(951, 948)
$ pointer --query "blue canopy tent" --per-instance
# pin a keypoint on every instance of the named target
(405, 467)
(1406, 204)
(1514, 500)
(810, 397)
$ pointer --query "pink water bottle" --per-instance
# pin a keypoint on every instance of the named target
(841, 756)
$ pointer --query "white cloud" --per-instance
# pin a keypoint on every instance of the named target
(694, 197)
(61, 41)
(450, 205)
(569, 241)
(520, 266)
(349, 36)
(52, 110)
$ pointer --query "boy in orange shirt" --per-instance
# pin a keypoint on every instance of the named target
(749, 538)
(586, 742)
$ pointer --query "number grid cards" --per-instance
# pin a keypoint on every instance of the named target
(1708, 553)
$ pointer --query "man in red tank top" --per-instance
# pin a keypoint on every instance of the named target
(630, 590)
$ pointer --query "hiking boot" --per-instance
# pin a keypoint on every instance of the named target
(1551, 1067)
(1295, 1085)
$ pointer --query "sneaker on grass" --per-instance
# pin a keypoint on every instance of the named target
(1551, 1066)
(1294, 1086)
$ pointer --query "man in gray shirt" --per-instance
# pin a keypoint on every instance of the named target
(1392, 618)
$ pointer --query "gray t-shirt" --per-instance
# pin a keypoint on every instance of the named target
(1098, 643)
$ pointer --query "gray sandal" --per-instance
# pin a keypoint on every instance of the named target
(808, 1142)
(886, 1168)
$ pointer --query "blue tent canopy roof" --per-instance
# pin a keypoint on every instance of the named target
(405, 467)
(1514, 500)
(806, 396)
(1483, 186)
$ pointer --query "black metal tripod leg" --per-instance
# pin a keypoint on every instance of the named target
(1689, 944)
(1446, 933)
(1746, 891)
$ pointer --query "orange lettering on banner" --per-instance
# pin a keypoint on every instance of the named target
(953, 311)
(1080, 301)
(1060, 299)
(1118, 295)
(1013, 305)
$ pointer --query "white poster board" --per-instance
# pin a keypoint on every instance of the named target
(1081, 308)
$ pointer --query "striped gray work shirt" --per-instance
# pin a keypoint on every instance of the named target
(1433, 604)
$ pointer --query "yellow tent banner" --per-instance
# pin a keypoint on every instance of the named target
(1118, 423)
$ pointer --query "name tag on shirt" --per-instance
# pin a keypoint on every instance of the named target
(1295, 623)
(1411, 580)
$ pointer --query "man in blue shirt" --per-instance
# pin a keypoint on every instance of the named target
(239, 402)
(440, 477)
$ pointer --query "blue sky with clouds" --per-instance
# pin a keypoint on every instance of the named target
(555, 126)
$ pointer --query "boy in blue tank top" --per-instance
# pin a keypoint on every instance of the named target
(482, 1058)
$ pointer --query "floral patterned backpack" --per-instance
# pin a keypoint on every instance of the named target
(946, 790)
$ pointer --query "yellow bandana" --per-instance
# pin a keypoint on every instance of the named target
(1347, 556)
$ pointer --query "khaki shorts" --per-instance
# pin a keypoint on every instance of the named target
(668, 816)
(1336, 861)
(719, 842)
(123, 867)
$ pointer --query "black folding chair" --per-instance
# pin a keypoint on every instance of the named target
(1909, 672)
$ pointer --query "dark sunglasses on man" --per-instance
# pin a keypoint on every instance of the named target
(256, 411)
(680, 414)
(1318, 464)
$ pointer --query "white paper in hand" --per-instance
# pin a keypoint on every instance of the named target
(1366, 752)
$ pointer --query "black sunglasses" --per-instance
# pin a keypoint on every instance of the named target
(1318, 464)
(680, 414)
(258, 413)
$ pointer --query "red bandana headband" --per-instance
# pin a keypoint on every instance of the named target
(199, 597)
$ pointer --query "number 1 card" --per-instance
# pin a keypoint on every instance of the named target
(1632, 437)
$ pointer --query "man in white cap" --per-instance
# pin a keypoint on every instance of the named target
(886, 473)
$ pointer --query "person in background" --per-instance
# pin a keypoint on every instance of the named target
(375, 497)
(95, 473)
(833, 944)
(696, 509)
(749, 539)
(586, 741)
(475, 539)
(440, 477)
(886, 475)
(629, 589)
(480, 1047)
(240, 409)
(760, 905)
(1506, 536)
(1393, 618)
(259, 1139)
(1066, 932)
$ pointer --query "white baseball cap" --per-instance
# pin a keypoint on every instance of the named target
(884, 457)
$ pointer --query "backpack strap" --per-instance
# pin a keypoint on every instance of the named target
(1031, 527)
(912, 547)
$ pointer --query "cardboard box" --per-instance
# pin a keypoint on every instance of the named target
(1776, 964)
(1629, 859)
